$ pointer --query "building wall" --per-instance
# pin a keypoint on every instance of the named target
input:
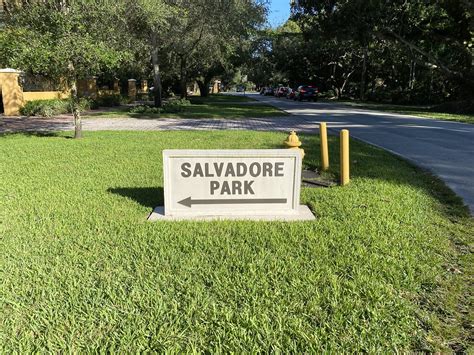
(44, 95)
(13, 97)
(12, 94)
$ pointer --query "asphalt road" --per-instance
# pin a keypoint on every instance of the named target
(444, 148)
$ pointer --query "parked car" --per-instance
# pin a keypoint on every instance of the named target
(281, 91)
(262, 91)
(269, 91)
(306, 92)
(291, 94)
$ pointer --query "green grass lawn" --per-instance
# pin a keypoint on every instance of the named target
(214, 106)
(221, 98)
(384, 268)
(420, 111)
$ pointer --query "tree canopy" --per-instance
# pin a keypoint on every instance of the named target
(72, 40)
(65, 40)
(401, 51)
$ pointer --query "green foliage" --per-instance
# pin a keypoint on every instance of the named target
(107, 101)
(176, 105)
(145, 109)
(384, 268)
(65, 41)
(50, 108)
(172, 106)
(413, 51)
(54, 107)
(206, 37)
(45, 108)
(73, 40)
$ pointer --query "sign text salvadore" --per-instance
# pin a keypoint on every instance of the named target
(232, 170)
(231, 182)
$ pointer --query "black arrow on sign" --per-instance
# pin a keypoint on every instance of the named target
(188, 202)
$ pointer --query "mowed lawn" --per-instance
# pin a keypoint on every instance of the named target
(213, 106)
(384, 268)
(222, 98)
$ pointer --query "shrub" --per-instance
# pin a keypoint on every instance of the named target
(45, 108)
(329, 94)
(107, 101)
(176, 105)
(85, 104)
(144, 109)
(144, 96)
(50, 108)
(172, 106)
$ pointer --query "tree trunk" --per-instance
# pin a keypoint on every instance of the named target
(334, 81)
(75, 111)
(157, 89)
(203, 87)
(346, 80)
(363, 75)
(183, 77)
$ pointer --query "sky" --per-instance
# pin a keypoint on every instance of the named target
(279, 12)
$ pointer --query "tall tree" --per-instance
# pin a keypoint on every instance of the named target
(67, 40)
(193, 21)
(232, 24)
(433, 35)
(149, 20)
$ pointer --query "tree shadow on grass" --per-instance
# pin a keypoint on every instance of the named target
(146, 196)
(34, 125)
(39, 134)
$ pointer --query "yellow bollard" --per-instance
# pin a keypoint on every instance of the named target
(344, 141)
(323, 135)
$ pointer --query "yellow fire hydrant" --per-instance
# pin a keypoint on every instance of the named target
(293, 142)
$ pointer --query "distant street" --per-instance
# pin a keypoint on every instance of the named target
(445, 148)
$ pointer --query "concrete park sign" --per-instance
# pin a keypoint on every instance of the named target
(232, 184)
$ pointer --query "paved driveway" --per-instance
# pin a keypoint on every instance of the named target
(445, 148)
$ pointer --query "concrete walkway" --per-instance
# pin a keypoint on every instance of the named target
(445, 148)
(284, 123)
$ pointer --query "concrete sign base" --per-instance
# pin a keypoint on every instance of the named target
(259, 185)
(302, 214)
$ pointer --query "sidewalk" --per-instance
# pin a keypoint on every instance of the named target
(285, 123)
